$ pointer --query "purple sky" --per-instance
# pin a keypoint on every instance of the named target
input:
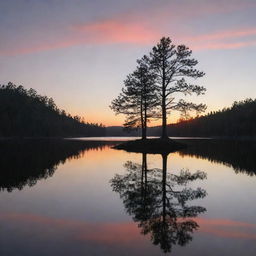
(79, 52)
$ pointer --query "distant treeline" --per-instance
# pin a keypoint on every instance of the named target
(238, 120)
(25, 113)
(120, 131)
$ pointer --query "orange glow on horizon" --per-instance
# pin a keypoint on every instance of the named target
(110, 119)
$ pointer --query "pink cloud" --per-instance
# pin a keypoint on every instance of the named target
(227, 228)
(237, 33)
(126, 232)
(227, 39)
(45, 46)
(146, 28)
(224, 223)
(117, 32)
(105, 32)
(227, 233)
(106, 233)
(110, 32)
(224, 46)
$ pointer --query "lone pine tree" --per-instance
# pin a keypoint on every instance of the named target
(172, 66)
(138, 98)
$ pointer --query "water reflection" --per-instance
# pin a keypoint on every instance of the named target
(240, 155)
(159, 201)
(75, 212)
(24, 162)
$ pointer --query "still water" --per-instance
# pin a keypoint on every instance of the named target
(85, 198)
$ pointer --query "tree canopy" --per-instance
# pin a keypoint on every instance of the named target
(158, 85)
(138, 98)
(173, 65)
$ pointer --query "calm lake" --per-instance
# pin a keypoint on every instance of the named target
(81, 197)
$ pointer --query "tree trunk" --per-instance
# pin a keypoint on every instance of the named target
(144, 166)
(164, 131)
(145, 119)
(164, 122)
(143, 131)
(145, 169)
(142, 175)
(164, 157)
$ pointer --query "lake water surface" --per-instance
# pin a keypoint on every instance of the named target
(66, 197)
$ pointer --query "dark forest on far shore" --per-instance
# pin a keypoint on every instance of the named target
(236, 121)
(24, 113)
(239, 120)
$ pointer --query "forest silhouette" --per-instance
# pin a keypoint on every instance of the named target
(24, 113)
(239, 120)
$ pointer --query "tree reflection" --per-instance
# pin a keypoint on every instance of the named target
(238, 154)
(158, 201)
(24, 162)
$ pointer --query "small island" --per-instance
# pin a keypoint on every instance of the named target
(153, 146)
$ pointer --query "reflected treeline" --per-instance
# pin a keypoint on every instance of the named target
(24, 162)
(240, 155)
(159, 201)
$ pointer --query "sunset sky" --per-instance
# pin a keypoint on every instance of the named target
(80, 51)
